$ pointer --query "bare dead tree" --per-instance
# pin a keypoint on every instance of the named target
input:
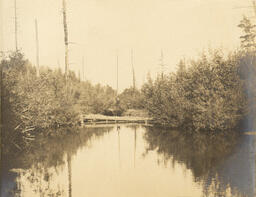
(65, 26)
(79, 75)
(162, 66)
(254, 7)
(58, 63)
(37, 48)
(16, 25)
(133, 71)
(117, 77)
(83, 78)
(1, 31)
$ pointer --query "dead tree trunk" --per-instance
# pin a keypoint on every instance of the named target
(37, 49)
(64, 4)
(133, 72)
(117, 77)
(162, 66)
(16, 25)
(83, 77)
(254, 7)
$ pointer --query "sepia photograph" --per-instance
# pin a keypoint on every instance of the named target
(128, 98)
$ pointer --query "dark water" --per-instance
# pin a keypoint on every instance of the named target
(133, 161)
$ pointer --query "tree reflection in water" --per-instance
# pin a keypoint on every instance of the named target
(222, 163)
(40, 166)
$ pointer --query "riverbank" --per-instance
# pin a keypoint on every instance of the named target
(102, 119)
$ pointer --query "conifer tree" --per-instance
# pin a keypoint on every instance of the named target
(248, 39)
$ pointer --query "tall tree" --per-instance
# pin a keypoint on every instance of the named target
(254, 7)
(16, 25)
(37, 48)
(133, 71)
(117, 72)
(83, 78)
(161, 64)
(64, 4)
(248, 38)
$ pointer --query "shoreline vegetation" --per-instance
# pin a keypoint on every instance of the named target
(213, 93)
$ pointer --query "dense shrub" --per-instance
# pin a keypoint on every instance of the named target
(32, 103)
(96, 99)
(204, 94)
(131, 98)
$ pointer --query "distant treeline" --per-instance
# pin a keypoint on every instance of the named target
(212, 93)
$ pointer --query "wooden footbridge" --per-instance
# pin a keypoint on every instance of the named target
(101, 119)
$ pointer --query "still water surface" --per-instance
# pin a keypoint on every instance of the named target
(133, 161)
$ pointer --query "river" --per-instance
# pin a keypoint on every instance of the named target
(133, 161)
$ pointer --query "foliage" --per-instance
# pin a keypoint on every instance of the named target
(210, 93)
(131, 98)
(248, 39)
(204, 94)
(32, 103)
(96, 99)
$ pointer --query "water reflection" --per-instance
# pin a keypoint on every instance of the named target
(119, 153)
(135, 141)
(133, 160)
(69, 176)
(39, 168)
(223, 164)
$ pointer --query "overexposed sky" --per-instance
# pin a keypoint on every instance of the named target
(100, 28)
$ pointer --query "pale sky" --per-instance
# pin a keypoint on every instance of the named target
(100, 28)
